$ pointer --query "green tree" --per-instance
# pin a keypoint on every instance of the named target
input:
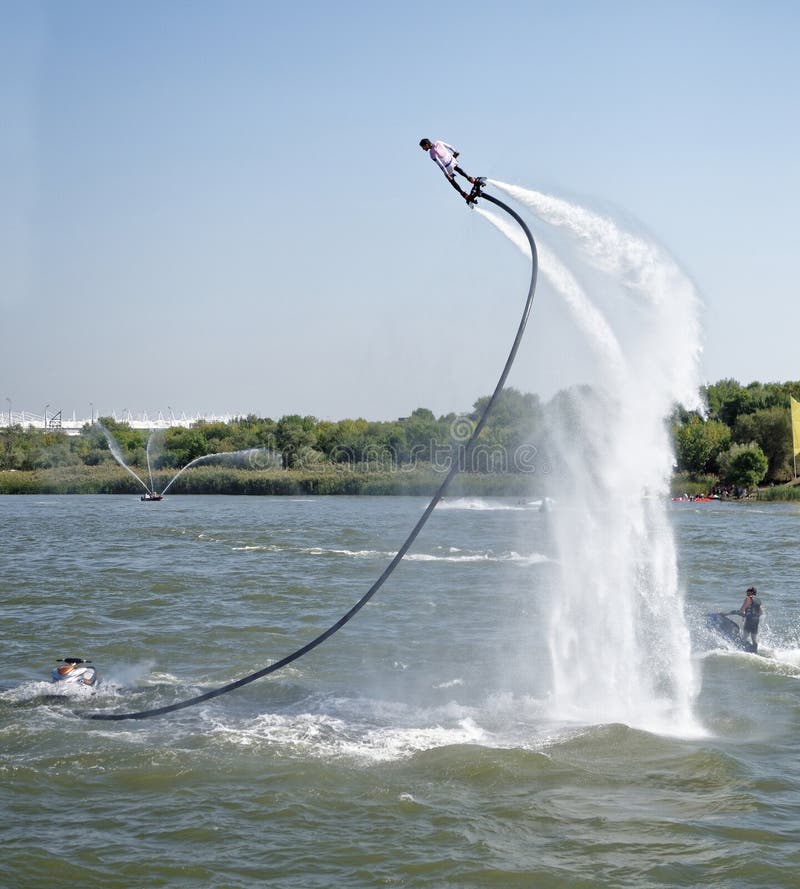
(423, 436)
(261, 433)
(346, 442)
(743, 464)
(514, 421)
(725, 400)
(771, 429)
(129, 440)
(698, 444)
(293, 436)
(19, 448)
(184, 445)
(54, 450)
(91, 446)
(219, 436)
(395, 441)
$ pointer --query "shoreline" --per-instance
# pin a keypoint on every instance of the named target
(212, 480)
(419, 481)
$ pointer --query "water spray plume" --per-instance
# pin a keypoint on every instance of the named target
(587, 316)
(644, 269)
(115, 449)
(156, 439)
(619, 647)
(252, 458)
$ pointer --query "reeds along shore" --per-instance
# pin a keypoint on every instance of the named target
(419, 481)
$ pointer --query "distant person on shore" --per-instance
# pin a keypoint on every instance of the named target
(444, 156)
(751, 611)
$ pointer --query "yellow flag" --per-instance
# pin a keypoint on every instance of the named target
(795, 424)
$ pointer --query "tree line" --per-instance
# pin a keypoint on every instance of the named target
(743, 439)
(299, 442)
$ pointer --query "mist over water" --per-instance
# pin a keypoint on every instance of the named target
(618, 643)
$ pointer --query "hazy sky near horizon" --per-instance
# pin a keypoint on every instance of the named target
(223, 208)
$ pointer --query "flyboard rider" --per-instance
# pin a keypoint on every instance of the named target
(444, 156)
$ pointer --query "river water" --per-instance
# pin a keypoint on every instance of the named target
(417, 746)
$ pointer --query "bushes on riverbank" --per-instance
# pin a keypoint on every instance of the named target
(109, 479)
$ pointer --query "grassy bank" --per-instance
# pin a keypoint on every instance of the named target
(682, 483)
(780, 492)
(111, 479)
(108, 479)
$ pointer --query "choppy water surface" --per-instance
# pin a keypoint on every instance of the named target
(414, 748)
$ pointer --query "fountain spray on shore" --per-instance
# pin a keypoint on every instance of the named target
(252, 458)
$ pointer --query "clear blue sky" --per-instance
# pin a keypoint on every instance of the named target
(223, 207)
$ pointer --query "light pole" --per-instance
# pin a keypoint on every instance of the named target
(91, 410)
(45, 414)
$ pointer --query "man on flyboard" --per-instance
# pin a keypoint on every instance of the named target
(444, 156)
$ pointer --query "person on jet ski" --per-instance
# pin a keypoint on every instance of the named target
(444, 156)
(751, 611)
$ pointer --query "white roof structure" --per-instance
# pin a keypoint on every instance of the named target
(72, 425)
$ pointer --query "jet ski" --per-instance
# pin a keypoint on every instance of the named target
(75, 671)
(721, 624)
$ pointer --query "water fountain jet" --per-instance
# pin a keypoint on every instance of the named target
(618, 644)
(252, 457)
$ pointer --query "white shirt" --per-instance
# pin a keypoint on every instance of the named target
(442, 153)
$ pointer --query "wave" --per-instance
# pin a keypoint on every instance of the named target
(372, 731)
(329, 737)
(478, 503)
(452, 555)
(44, 691)
(36, 690)
(532, 559)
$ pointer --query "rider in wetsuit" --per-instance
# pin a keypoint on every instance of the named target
(751, 611)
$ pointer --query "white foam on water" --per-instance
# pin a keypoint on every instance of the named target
(478, 503)
(326, 736)
(31, 691)
(371, 731)
(450, 555)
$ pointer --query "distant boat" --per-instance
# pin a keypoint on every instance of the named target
(151, 495)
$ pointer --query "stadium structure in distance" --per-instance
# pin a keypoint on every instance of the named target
(72, 425)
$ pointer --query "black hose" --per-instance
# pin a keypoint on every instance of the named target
(309, 646)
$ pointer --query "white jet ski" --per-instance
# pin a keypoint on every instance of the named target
(75, 671)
